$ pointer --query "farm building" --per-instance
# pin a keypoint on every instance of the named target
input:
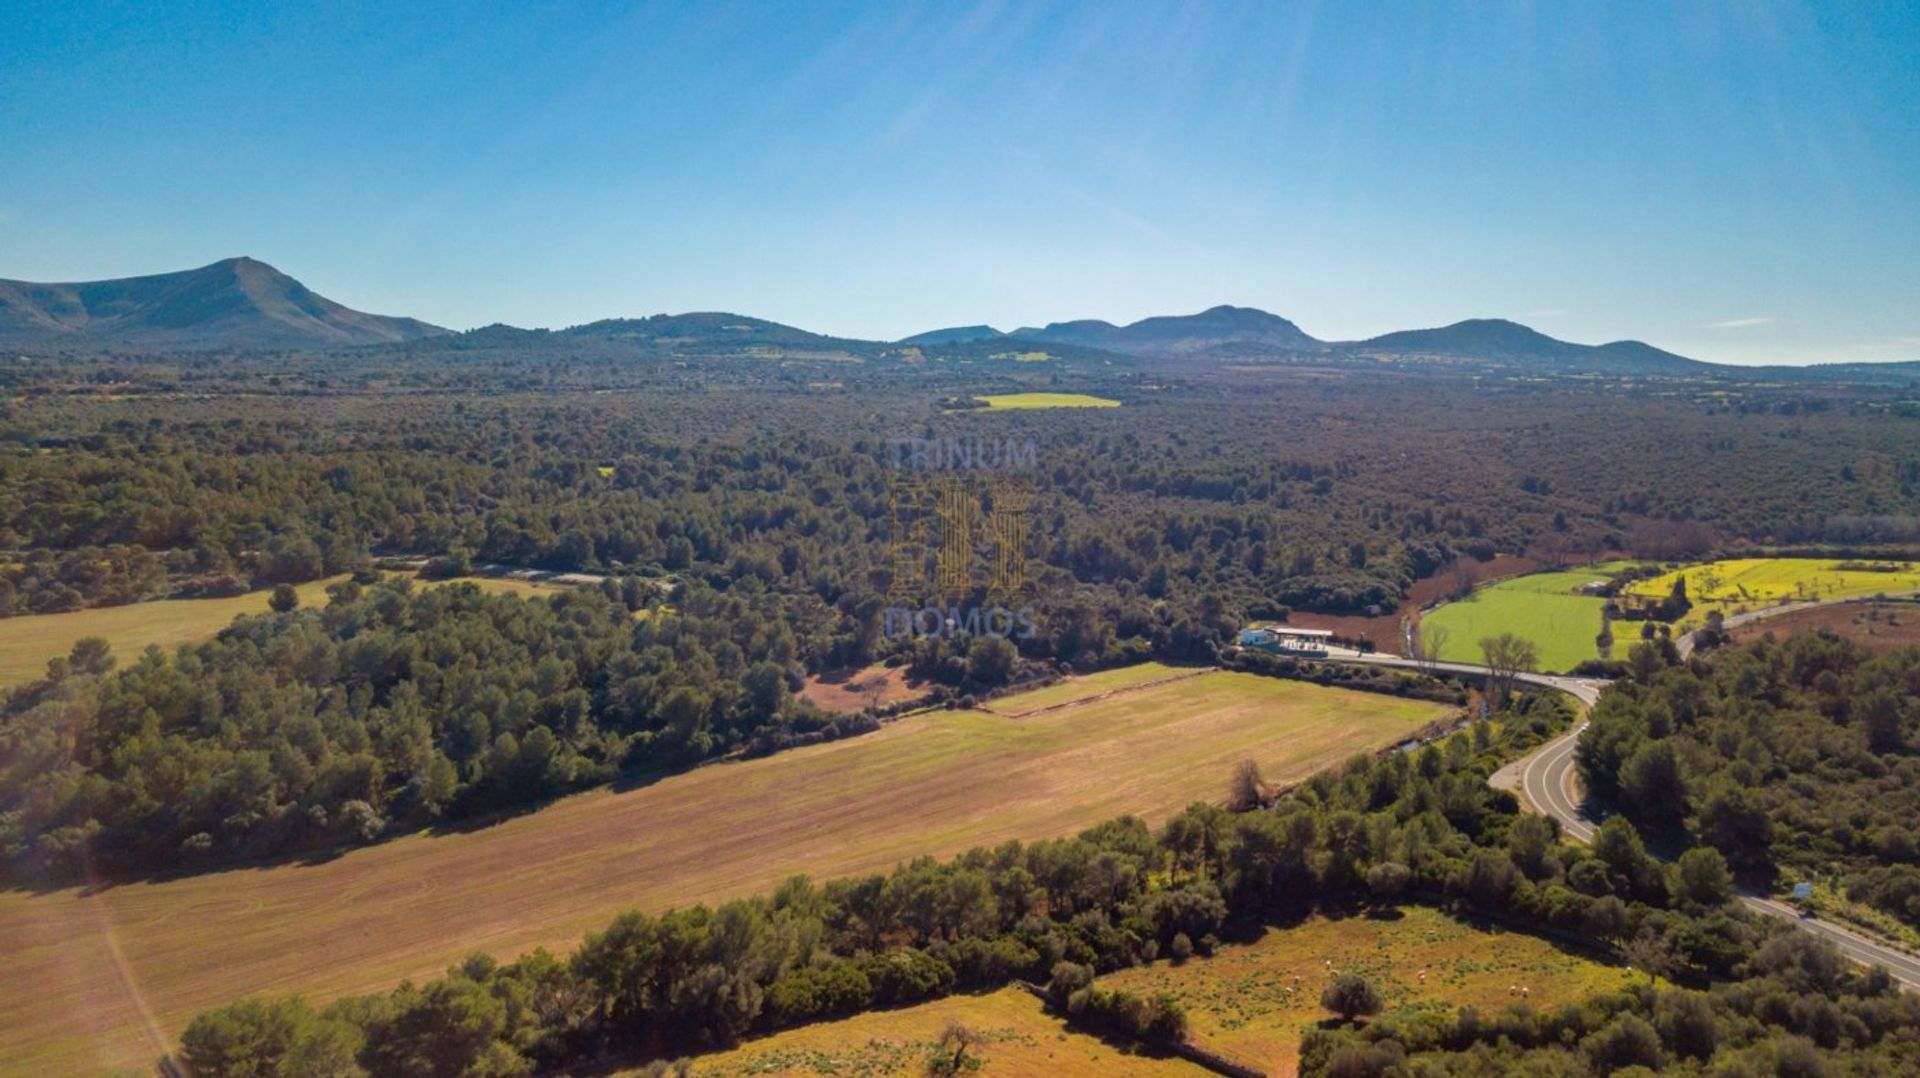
(1286, 640)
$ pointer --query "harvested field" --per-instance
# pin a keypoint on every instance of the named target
(1087, 686)
(91, 972)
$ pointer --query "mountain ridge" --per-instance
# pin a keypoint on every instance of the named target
(242, 303)
(1175, 335)
(235, 303)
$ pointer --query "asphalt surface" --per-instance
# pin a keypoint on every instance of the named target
(1546, 777)
(1684, 644)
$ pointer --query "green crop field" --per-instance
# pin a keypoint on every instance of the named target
(1007, 401)
(101, 978)
(1546, 608)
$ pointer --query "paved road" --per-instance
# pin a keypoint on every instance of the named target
(1684, 643)
(1546, 776)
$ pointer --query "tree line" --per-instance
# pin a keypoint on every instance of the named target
(1422, 826)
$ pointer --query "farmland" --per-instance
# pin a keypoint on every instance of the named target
(1239, 1004)
(102, 976)
(1082, 688)
(27, 642)
(1737, 585)
(1546, 608)
(1022, 1039)
(1009, 401)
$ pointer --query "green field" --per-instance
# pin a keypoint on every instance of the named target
(1741, 584)
(28, 641)
(101, 978)
(1008, 401)
(1546, 608)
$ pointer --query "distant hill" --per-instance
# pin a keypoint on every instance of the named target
(1238, 329)
(955, 335)
(236, 303)
(710, 330)
(1496, 339)
(241, 304)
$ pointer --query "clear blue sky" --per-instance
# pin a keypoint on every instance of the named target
(1732, 181)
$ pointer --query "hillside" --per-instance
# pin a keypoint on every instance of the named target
(954, 335)
(236, 303)
(1238, 328)
(705, 329)
(1499, 340)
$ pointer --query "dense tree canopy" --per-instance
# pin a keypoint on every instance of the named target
(1801, 756)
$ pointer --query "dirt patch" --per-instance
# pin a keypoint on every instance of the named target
(847, 691)
(1877, 626)
(1462, 574)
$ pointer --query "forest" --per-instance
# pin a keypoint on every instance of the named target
(1267, 489)
(743, 516)
(1798, 757)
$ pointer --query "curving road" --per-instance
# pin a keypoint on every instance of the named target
(1546, 777)
(1684, 643)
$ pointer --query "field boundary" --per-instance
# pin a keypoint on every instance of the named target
(1193, 1053)
(1097, 697)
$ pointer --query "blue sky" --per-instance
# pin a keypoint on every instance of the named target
(1732, 181)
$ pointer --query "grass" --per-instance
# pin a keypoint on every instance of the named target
(87, 970)
(1007, 401)
(1737, 585)
(1242, 1003)
(1023, 1039)
(1085, 686)
(1245, 1003)
(28, 641)
(1545, 608)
